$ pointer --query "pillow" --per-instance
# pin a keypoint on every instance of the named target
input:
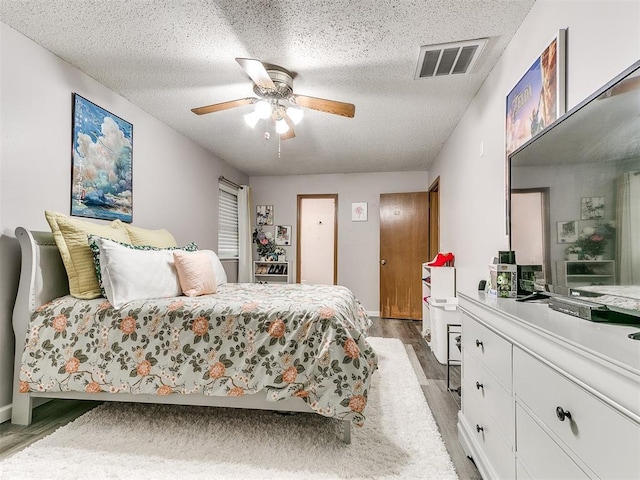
(131, 274)
(70, 236)
(195, 272)
(154, 238)
(218, 269)
(95, 250)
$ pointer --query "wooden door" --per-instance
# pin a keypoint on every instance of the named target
(403, 249)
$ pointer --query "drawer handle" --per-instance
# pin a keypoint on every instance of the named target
(479, 386)
(479, 428)
(561, 413)
(479, 344)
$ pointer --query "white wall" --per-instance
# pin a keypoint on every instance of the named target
(603, 39)
(174, 180)
(358, 242)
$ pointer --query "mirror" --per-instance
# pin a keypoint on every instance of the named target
(588, 163)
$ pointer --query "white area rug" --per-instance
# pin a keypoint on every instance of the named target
(400, 440)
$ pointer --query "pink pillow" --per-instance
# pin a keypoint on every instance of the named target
(195, 272)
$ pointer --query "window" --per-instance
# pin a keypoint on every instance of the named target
(228, 223)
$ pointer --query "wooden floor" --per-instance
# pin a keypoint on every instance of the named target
(443, 403)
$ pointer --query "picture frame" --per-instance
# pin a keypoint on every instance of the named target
(567, 231)
(283, 235)
(264, 214)
(359, 212)
(101, 163)
(538, 98)
(591, 208)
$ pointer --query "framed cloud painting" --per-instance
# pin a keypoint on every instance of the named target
(102, 163)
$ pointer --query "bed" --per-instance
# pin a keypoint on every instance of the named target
(291, 347)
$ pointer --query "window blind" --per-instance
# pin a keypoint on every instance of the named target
(228, 224)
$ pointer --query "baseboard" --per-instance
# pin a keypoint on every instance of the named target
(5, 413)
(373, 314)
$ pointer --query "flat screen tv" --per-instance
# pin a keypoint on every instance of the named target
(574, 203)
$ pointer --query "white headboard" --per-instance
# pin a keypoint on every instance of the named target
(42, 276)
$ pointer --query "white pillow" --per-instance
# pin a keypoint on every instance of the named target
(218, 269)
(129, 274)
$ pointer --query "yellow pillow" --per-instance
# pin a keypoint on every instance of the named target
(154, 238)
(71, 238)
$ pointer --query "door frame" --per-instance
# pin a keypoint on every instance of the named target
(545, 194)
(433, 211)
(335, 232)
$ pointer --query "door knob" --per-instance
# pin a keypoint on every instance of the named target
(383, 262)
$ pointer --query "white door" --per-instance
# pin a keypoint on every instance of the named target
(317, 234)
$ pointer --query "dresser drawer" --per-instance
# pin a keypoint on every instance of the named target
(540, 455)
(521, 472)
(495, 446)
(605, 440)
(491, 349)
(483, 388)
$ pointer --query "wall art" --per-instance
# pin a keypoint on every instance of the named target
(567, 231)
(102, 163)
(283, 235)
(359, 212)
(538, 99)
(264, 214)
(591, 208)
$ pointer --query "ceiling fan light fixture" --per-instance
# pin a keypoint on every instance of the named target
(263, 109)
(251, 119)
(282, 126)
(295, 114)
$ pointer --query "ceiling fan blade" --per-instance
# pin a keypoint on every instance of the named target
(256, 71)
(323, 105)
(216, 107)
(281, 113)
(290, 133)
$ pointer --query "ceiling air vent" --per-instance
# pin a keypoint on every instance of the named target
(449, 58)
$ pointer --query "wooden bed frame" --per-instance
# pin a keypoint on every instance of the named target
(43, 278)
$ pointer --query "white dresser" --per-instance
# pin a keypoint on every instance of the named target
(546, 395)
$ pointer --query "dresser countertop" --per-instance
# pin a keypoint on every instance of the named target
(605, 340)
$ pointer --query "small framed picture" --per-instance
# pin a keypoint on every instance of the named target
(567, 231)
(264, 214)
(591, 208)
(283, 235)
(359, 212)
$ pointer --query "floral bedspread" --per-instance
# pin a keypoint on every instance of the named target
(292, 340)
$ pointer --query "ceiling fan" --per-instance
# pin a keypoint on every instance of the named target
(274, 86)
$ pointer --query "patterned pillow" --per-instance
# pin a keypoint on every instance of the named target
(95, 250)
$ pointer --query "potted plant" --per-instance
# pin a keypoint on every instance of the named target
(593, 240)
(265, 243)
(573, 252)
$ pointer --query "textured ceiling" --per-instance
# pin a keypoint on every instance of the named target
(170, 56)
